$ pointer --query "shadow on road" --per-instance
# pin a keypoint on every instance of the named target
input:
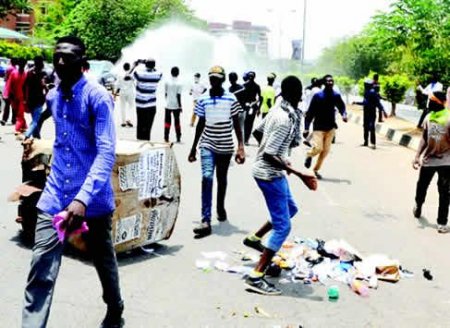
(298, 291)
(143, 254)
(226, 229)
(21, 240)
(424, 224)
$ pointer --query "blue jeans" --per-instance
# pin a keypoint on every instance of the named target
(46, 260)
(282, 209)
(213, 161)
(33, 130)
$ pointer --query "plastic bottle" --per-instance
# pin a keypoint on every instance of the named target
(333, 292)
(373, 282)
(359, 288)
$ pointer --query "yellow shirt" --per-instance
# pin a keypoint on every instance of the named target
(267, 92)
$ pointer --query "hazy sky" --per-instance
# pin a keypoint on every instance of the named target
(327, 20)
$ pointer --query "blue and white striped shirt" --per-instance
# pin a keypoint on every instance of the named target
(83, 152)
(218, 113)
(146, 85)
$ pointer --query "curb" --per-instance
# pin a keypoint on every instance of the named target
(398, 137)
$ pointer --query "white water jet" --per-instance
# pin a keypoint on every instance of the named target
(191, 49)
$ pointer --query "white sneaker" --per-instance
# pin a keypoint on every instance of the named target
(442, 228)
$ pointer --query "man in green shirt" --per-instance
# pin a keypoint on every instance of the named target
(268, 95)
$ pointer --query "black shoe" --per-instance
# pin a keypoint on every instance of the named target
(113, 318)
(366, 144)
(255, 244)
(123, 125)
(222, 216)
(307, 143)
(318, 175)
(308, 162)
(2, 123)
(273, 270)
(374, 146)
(202, 231)
(417, 211)
(129, 124)
(261, 286)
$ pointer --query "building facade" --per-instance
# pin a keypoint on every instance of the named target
(254, 37)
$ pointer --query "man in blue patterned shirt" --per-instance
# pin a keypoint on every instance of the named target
(79, 183)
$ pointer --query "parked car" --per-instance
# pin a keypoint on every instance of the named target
(3, 66)
(102, 70)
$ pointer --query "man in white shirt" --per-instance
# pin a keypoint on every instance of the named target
(197, 90)
(173, 104)
(126, 89)
(434, 86)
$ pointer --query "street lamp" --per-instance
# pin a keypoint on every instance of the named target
(279, 16)
(305, 2)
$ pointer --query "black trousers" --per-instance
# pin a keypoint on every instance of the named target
(422, 117)
(425, 176)
(145, 118)
(168, 123)
(369, 129)
(6, 111)
(248, 125)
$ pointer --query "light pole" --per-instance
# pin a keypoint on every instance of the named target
(305, 2)
(279, 16)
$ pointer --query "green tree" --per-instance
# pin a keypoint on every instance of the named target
(345, 84)
(394, 88)
(49, 15)
(417, 35)
(412, 38)
(354, 57)
(108, 26)
(13, 6)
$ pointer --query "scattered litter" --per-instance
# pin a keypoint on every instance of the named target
(261, 312)
(221, 266)
(427, 274)
(203, 265)
(312, 261)
(215, 255)
(333, 292)
(404, 273)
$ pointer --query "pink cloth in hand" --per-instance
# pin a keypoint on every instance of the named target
(57, 221)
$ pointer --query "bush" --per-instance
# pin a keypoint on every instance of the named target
(10, 50)
(394, 88)
(345, 84)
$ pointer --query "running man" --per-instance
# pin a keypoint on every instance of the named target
(252, 104)
(35, 90)
(370, 104)
(146, 86)
(127, 93)
(218, 112)
(17, 96)
(323, 115)
(173, 104)
(79, 183)
(433, 156)
(197, 90)
(268, 95)
(239, 91)
(279, 132)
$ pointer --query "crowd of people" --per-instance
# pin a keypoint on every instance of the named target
(84, 153)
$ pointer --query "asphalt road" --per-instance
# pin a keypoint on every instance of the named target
(366, 198)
